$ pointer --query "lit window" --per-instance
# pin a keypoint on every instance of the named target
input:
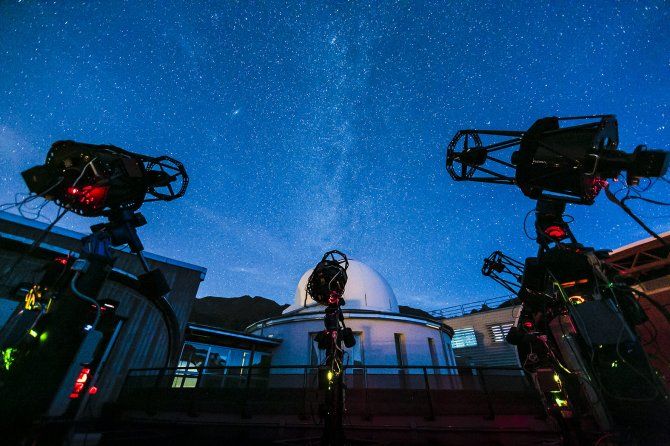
(499, 332)
(464, 337)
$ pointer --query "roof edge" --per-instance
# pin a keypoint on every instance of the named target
(19, 220)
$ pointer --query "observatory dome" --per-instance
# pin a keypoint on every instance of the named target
(366, 290)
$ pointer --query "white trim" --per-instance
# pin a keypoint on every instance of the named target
(13, 218)
(663, 235)
(233, 334)
(350, 314)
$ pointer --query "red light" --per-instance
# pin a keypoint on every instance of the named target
(595, 185)
(93, 196)
(80, 382)
(93, 390)
(555, 232)
(528, 325)
(61, 260)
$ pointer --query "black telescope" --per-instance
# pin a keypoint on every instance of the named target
(91, 180)
(567, 159)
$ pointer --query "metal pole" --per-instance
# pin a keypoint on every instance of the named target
(428, 394)
(482, 381)
(367, 414)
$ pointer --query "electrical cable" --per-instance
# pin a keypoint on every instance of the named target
(656, 305)
(19, 204)
(628, 211)
(83, 170)
(631, 367)
(525, 219)
(85, 298)
(33, 246)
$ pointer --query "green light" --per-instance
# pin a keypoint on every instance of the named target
(32, 333)
(44, 336)
(615, 364)
(561, 402)
(7, 358)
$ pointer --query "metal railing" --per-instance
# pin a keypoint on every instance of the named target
(472, 307)
(371, 390)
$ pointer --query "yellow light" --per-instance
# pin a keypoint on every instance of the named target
(330, 375)
(33, 333)
(561, 402)
(556, 378)
(33, 299)
(576, 300)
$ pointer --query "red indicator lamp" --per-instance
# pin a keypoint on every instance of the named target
(80, 383)
(62, 260)
(89, 196)
(555, 232)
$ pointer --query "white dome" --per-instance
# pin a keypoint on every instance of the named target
(366, 290)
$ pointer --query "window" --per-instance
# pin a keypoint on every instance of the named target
(499, 332)
(213, 365)
(355, 353)
(400, 348)
(316, 355)
(464, 337)
(193, 356)
(433, 352)
(218, 357)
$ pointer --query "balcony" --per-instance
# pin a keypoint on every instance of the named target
(407, 405)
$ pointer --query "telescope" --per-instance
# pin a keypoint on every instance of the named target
(326, 286)
(564, 159)
(92, 180)
(328, 277)
(575, 334)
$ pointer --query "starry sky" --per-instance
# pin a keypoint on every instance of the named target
(307, 126)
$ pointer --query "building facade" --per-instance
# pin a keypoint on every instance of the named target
(131, 333)
(479, 337)
(383, 335)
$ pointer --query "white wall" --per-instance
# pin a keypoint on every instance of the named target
(378, 341)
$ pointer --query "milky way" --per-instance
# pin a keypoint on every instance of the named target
(308, 126)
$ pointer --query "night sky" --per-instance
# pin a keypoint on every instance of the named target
(307, 126)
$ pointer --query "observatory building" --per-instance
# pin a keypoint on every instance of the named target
(403, 383)
(383, 335)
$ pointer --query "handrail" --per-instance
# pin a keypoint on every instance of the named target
(432, 399)
(312, 366)
(471, 307)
